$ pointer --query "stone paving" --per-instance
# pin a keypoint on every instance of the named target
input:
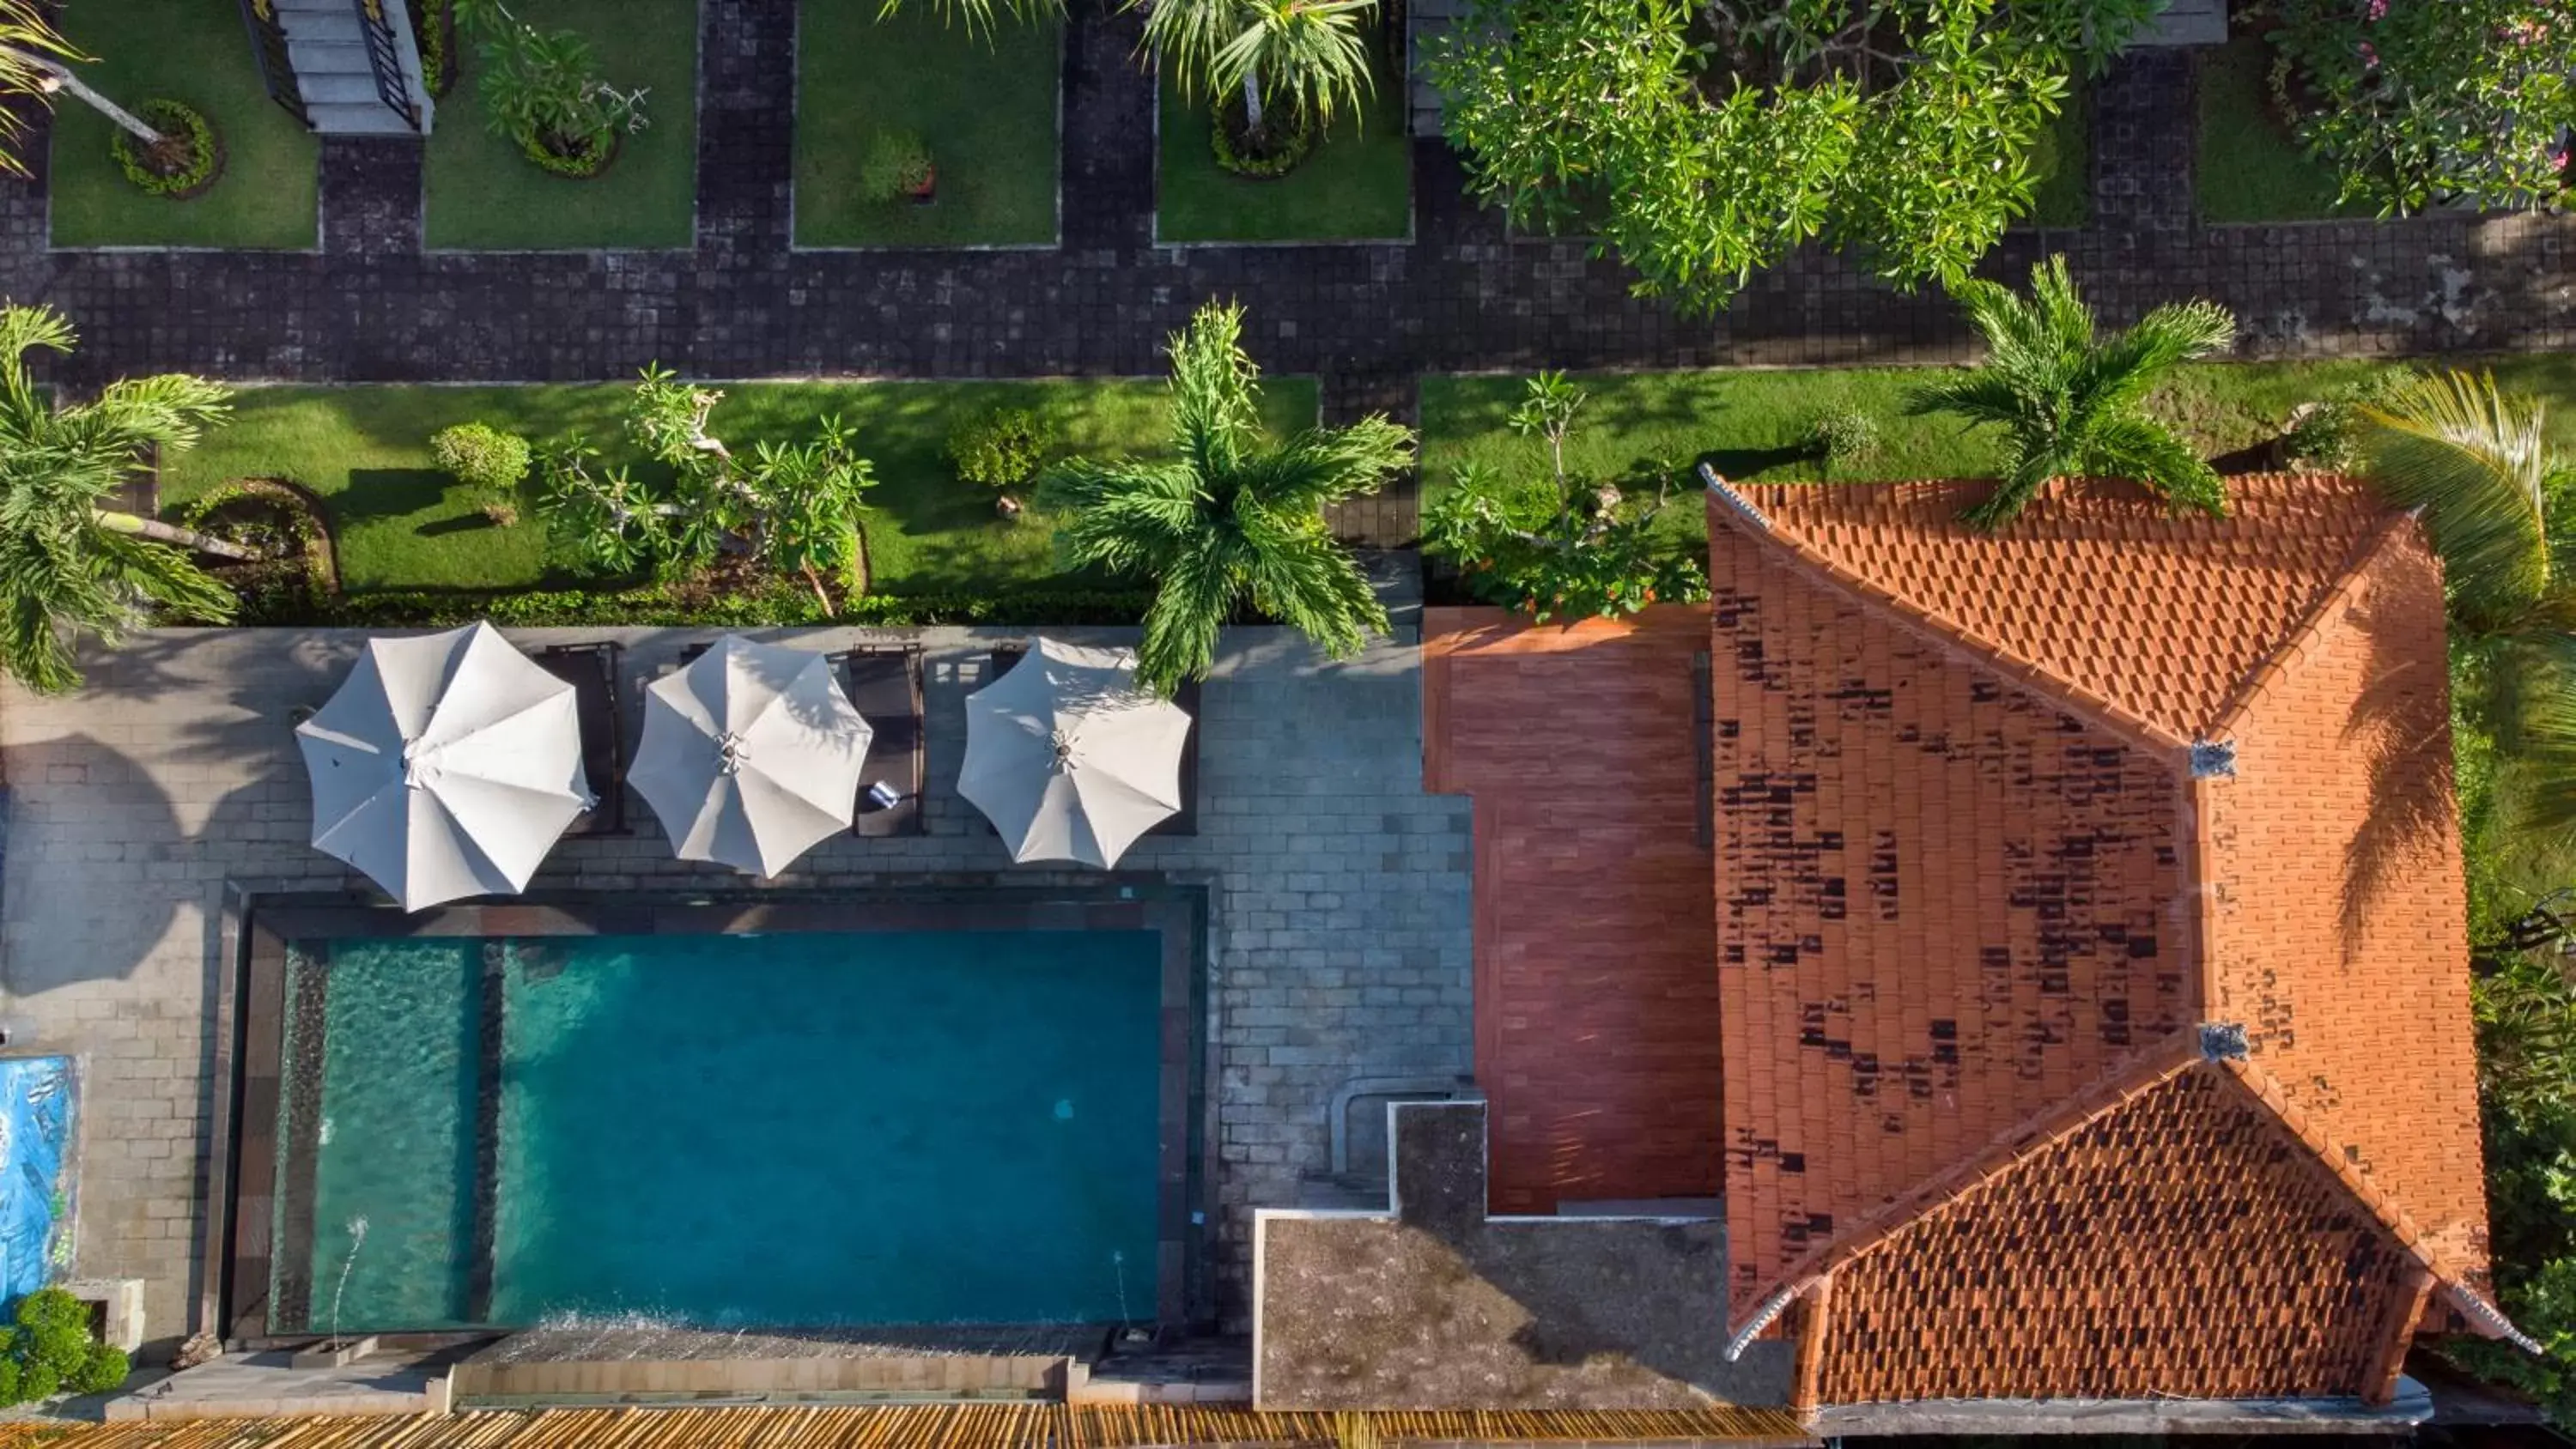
(1338, 895)
(371, 304)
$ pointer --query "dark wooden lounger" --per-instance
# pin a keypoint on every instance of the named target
(884, 684)
(591, 670)
(1187, 697)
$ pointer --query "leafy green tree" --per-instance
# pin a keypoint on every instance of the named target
(1234, 518)
(792, 506)
(68, 562)
(1307, 54)
(541, 90)
(2070, 403)
(2419, 101)
(1700, 139)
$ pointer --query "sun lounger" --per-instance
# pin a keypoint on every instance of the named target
(591, 670)
(884, 685)
(1187, 697)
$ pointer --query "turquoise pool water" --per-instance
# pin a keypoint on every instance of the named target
(747, 1130)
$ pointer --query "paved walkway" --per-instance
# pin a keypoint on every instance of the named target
(1460, 296)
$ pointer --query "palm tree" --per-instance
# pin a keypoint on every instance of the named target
(978, 14)
(2071, 404)
(32, 57)
(67, 563)
(2496, 500)
(1308, 53)
(1234, 517)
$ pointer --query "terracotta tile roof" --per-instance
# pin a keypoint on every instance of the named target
(1596, 1011)
(1970, 869)
(2101, 589)
(2181, 1243)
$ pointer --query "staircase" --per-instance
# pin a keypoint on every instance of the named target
(1424, 21)
(336, 67)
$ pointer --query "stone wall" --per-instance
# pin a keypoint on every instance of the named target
(1339, 931)
(1438, 1306)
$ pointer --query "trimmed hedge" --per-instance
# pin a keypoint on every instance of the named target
(677, 606)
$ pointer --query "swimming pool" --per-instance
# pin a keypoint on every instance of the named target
(796, 1128)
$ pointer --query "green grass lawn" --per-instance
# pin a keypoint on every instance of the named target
(198, 54)
(985, 105)
(1356, 184)
(400, 524)
(1752, 425)
(2063, 162)
(2250, 167)
(483, 194)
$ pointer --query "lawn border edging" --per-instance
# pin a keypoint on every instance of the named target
(1154, 139)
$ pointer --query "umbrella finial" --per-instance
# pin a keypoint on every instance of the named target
(418, 773)
(1060, 742)
(732, 753)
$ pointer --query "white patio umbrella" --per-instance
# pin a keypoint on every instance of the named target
(751, 755)
(445, 766)
(1069, 759)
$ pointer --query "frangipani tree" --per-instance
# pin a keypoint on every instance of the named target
(69, 564)
(2070, 403)
(1234, 518)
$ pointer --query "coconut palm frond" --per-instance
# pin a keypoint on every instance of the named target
(31, 51)
(2475, 462)
(1216, 389)
(2143, 450)
(2118, 374)
(1308, 52)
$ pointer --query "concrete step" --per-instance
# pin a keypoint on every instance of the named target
(341, 118)
(338, 89)
(323, 28)
(327, 57)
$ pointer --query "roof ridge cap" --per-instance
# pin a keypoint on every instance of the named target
(1949, 634)
(2323, 619)
(2150, 1067)
(2419, 1245)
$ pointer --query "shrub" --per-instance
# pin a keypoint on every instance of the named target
(2325, 436)
(1589, 553)
(480, 456)
(1281, 152)
(52, 1349)
(1843, 436)
(1003, 448)
(185, 161)
(895, 165)
(541, 90)
(776, 603)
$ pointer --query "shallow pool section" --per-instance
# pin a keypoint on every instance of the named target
(793, 1129)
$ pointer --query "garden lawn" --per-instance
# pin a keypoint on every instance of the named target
(985, 105)
(400, 524)
(2062, 161)
(1752, 425)
(1357, 184)
(2250, 167)
(195, 53)
(483, 194)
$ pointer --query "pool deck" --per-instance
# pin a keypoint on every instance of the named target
(1338, 897)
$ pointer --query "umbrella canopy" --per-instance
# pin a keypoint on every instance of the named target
(446, 766)
(1069, 759)
(751, 754)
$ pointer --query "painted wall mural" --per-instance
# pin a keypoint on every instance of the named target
(38, 1102)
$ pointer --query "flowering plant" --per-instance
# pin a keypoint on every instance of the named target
(2418, 101)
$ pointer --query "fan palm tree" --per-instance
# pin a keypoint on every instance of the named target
(67, 563)
(1234, 517)
(1308, 53)
(2496, 500)
(2071, 403)
(32, 63)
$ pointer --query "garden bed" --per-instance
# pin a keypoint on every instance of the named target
(197, 55)
(1754, 425)
(1356, 185)
(400, 526)
(2249, 167)
(483, 194)
(985, 105)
